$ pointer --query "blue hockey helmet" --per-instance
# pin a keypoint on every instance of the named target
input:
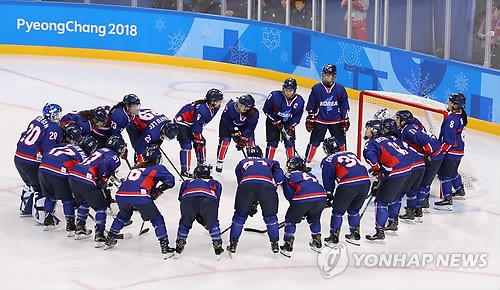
(389, 125)
(404, 116)
(202, 171)
(170, 130)
(330, 145)
(254, 151)
(457, 99)
(52, 112)
(131, 99)
(247, 100)
(290, 84)
(88, 144)
(214, 95)
(296, 163)
(72, 133)
(117, 144)
(329, 69)
(152, 155)
(376, 127)
(99, 114)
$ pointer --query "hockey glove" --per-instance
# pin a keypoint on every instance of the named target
(102, 182)
(344, 125)
(236, 134)
(241, 142)
(253, 210)
(329, 199)
(310, 123)
(107, 197)
(290, 131)
(124, 155)
(199, 144)
(155, 192)
(278, 124)
(374, 188)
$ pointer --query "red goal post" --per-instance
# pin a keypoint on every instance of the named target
(430, 112)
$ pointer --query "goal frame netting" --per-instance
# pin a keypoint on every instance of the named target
(430, 112)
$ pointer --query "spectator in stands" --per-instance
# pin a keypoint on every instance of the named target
(494, 30)
(208, 6)
(301, 15)
(172, 4)
(237, 8)
(274, 14)
(358, 18)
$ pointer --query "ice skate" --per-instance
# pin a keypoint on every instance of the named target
(81, 232)
(445, 204)
(419, 215)
(315, 243)
(70, 227)
(425, 206)
(287, 248)
(391, 229)
(219, 166)
(110, 241)
(333, 239)
(179, 247)
(353, 237)
(186, 173)
(166, 250)
(459, 194)
(275, 248)
(408, 217)
(218, 250)
(99, 239)
(50, 222)
(231, 249)
(377, 237)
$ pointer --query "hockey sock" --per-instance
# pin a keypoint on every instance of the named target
(160, 229)
(310, 152)
(100, 219)
(201, 156)
(272, 227)
(69, 208)
(353, 218)
(49, 204)
(314, 227)
(82, 213)
(335, 221)
(290, 229)
(118, 223)
(185, 157)
(222, 149)
(270, 152)
(290, 152)
(423, 193)
(239, 220)
(183, 231)
(457, 182)
(250, 142)
(411, 198)
(381, 214)
(214, 231)
(394, 208)
(445, 183)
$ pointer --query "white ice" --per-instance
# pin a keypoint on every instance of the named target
(32, 258)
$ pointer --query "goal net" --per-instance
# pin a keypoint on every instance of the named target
(378, 104)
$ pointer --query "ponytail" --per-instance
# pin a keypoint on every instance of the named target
(464, 117)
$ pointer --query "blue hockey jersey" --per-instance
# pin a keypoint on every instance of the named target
(136, 189)
(278, 107)
(452, 136)
(77, 118)
(195, 116)
(424, 143)
(343, 169)
(61, 159)
(150, 124)
(40, 136)
(231, 118)
(209, 188)
(387, 157)
(302, 187)
(329, 105)
(260, 170)
(102, 164)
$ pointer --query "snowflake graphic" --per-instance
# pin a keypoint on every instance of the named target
(311, 59)
(160, 24)
(350, 54)
(461, 82)
(271, 38)
(176, 41)
(238, 55)
(418, 84)
(284, 56)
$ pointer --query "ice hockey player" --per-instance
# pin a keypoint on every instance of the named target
(257, 180)
(238, 121)
(284, 110)
(89, 180)
(391, 167)
(410, 187)
(53, 174)
(347, 183)
(327, 109)
(426, 145)
(42, 134)
(150, 128)
(120, 116)
(191, 119)
(453, 145)
(139, 190)
(89, 120)
(307, 199)
(199, 198)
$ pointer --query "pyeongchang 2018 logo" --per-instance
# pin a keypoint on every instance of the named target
(332, 261)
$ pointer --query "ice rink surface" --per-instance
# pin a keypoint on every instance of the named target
(34, 259)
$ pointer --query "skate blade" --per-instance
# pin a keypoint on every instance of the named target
(353, 242)
(23, 215)
(330, 244)
(106, 247)
(459, 198)
(49, 227)
(419, 220)
(426, 210)
(167, 256)
(406, 221)
(98, 245)
(391, 233)
(444, 207)
(231, 255)
(286, 254)
(70, 234)
(217, 257)
(176, 256)
(82, 237)
(275, 255)
(375, 241)
(317, 250)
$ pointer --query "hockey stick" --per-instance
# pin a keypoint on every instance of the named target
(252, 230)
(142, 231)
(122, 236)
(170, 161)
(285, 135)
(228, 228)
(366, 206)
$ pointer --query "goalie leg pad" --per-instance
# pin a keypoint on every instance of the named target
(26, 206)
(38, 210)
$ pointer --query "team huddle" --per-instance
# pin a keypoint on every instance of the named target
(74, 159)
